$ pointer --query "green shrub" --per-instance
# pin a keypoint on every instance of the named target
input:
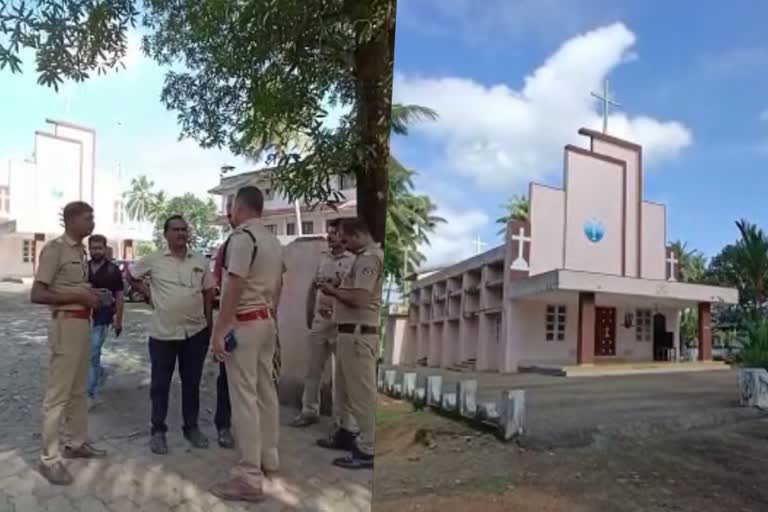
(754, 347)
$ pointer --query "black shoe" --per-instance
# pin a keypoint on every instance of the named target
(225, 439)
(196, 438)
(158, 444)
(341, 439)
(355, 461)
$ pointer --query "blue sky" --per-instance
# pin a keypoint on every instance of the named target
(134, 130)
(511, 80)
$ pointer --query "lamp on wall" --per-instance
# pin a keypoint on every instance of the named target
(629, 319)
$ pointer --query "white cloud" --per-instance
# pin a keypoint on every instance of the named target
(764, 115)
(454, 239)
(501, 137)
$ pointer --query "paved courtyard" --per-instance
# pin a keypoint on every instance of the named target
(132, 478)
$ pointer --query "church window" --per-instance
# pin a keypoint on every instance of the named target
(643, 329)
(555, 326)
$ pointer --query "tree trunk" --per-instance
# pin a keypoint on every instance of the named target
(373, 62)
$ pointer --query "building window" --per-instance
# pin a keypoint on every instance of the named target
(308, 227)
(26, 251)
(5, 199)
(555, 327)
(643, 329)
(118, 212)
(272, 228)
(290, 229)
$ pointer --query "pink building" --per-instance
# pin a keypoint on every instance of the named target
(588, 279)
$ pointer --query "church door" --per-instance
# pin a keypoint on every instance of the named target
(605, 332)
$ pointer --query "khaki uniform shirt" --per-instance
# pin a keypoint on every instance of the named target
(331, 266)
(367, 273)
(63, 268)
(176, 287)
(262, 279)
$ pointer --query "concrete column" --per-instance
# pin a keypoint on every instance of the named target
(705, 331)
(585, 337)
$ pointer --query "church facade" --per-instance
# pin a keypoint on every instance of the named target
(588, 278)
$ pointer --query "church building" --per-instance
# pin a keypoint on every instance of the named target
(587, 279)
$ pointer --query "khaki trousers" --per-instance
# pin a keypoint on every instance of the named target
(322, 347)
(69, 344)
(253, 396)
(356, 354)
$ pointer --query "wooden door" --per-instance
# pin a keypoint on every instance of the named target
(605, 332)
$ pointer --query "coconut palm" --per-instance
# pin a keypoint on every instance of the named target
(692, 263)
(516, 208)
(405, 115)
(144, 204)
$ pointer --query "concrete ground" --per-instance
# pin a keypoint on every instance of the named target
(575, 412)
(132, 478)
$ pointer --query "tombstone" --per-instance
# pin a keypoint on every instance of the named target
(380, 378)
(466, 393)
(488, 411)
(421, 395)
(397, 390)
(409, 385)
(449, 402)
(753, 388)
(512, 414)
(434, 390)
(390, 376)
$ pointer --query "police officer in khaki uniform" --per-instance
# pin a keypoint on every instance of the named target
(61, 282)
(358, 316)
(253, 269)
(334, 265)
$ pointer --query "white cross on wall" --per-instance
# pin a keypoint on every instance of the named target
(521, 239)
(607, 102)
(672, 260)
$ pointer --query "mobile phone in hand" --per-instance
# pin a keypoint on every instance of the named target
(230, 342)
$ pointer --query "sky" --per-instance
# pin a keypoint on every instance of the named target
(511, 81)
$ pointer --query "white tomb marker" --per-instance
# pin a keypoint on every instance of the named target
(673, 261)
(607, 102)
(521, 239)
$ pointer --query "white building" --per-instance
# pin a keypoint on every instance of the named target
(33, 192)
(288, 220)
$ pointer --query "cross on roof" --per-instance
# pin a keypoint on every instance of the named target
(673, 261)
(479, 244)
(607, 102)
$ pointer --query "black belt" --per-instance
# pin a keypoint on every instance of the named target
(352, 329)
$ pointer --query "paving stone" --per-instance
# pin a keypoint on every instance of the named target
(58, 504)
(132, 478)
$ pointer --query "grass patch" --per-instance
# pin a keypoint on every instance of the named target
(390, 412)
(493, 485)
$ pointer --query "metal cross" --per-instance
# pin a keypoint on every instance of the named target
(607, 102)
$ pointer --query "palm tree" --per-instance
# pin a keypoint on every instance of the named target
(517, 207)
(404, 115)
(143, 202)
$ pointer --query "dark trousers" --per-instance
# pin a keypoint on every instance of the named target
(223, 418)
(163, 354)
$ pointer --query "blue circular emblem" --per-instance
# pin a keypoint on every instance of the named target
(594, 229)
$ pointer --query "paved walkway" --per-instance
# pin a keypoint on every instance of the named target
(132, 478)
